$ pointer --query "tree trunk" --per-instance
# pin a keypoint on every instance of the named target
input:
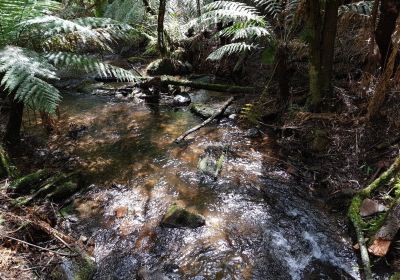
(148, 8)
(198, 5)
(314, 23)
(389, 11)
(322, 45)
(282, 74)
(160, 29)
(13, 129)
(328, 45)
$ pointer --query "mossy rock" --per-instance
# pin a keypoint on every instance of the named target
(168, 66)
(211, 162)
(80, 268)
(30, 182)
(64, 191)
(202, 110)
(136, 59)
(178, 217)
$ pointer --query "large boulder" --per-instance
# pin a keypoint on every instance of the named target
(205, 111)
(179, 217)
(167, 66)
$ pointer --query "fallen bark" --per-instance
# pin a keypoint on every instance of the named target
(219, 112)
(384, 236)
(167, 80)
(356, 219)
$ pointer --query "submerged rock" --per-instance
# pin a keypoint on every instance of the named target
(178, 217)
(80, 268)
(182, 99)
(168, 66)
(252, 133)
(212, 160)
(202, 110)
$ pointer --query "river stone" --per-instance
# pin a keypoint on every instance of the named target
(178, 217)
(212, 160)
(80, 268)
(202, 110)
(252, 133)
(370, 207)
(182, 99)
(167, 66)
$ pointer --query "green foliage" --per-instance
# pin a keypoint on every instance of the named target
(268, 55)
(29, 68)
(230, 49)
(250, 113)
(361, 8)
(12, 12)
(26, 74)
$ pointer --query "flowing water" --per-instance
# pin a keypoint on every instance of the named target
(260, 222)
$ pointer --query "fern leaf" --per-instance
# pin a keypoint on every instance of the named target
(230, 49)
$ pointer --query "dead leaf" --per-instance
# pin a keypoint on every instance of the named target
(380, 247)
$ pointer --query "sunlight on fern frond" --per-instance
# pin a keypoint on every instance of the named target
(88, 65)
(26, 74)
(229, 49)
(363, 8)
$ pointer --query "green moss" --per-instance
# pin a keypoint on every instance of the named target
(30, 182)
(6, 169)
(178, 217)
(395, 276)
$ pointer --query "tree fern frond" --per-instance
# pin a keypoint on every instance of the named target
(13, 12)
(48, 26)
(89, 65)
(225, 11)
(361, 8)
(230, 49)
(26, 75)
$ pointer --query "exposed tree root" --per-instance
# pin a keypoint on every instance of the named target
(354, 213)
(219, 112)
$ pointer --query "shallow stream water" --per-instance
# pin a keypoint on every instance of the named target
(260, 222)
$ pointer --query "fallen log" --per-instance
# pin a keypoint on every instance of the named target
(30, 182)
(168, 80)
(219, 112)
(356, 219)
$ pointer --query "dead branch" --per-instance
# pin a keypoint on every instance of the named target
(219, 112)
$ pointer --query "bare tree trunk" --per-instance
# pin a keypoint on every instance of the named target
(198, 8)
(160, 29)
(328, 45)
(389, 11)
(314, 22)
(13, 129)
(282, 74)
(322, 46)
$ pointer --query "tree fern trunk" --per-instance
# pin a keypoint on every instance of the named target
(328, 45)
(13, 129)
(198, 8)
(386, 25)
(160, 29)
(314, 23)
(282, 74)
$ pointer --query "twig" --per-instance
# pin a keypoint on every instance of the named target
(39, 247)
(219, 112)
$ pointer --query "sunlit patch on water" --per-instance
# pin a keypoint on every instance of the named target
(256, 227)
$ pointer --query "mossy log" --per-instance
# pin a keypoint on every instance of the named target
(55, 186)
(30, 182)
(168, 80)
(6, 169)
(355, 217)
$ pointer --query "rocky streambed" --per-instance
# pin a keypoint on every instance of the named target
(252, 218)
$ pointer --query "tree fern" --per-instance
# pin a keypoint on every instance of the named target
(89, 65)
(229, 49)
(361, 8)
(26, 74)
